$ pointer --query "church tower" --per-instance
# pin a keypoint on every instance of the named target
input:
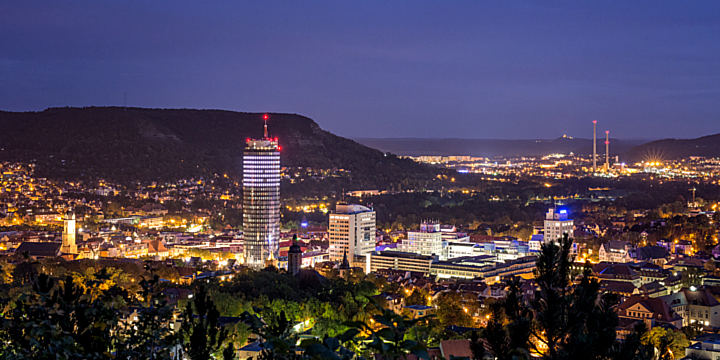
(294, 257)
(68, 236)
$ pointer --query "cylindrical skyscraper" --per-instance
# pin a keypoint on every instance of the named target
(261, 200)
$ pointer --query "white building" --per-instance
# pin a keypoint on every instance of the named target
(426, 241)
(616, 252)
(557, 224)
(463, 249)
(351, 230)
(536, 241)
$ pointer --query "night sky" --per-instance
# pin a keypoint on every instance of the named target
(469, 69)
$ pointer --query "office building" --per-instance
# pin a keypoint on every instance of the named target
(426, 241)
(557, 224)
(261, 200)
(397, 260)
(351, 231)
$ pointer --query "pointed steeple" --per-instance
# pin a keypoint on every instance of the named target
(345, 265)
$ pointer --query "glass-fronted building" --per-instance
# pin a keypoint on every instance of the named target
(261, 201)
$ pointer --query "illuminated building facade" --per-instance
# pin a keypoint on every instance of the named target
(557, 224)
(261, 200)
(68, 235)
(351, 231)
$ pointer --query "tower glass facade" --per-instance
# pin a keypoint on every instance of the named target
(261, 201)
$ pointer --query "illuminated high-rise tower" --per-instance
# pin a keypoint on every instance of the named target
(261, 199)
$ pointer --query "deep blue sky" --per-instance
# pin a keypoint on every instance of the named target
(471, 69)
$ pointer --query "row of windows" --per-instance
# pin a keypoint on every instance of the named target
(262, 156)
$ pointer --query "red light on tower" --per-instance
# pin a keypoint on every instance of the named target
(279, 147)
(265, 117)
(606, 142)
(594, 121)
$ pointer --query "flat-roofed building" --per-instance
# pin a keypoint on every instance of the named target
(397, 260)
(557, 224)
(426, 241)
(351, 231)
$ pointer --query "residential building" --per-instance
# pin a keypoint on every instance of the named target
(615, 251)
(39, 250)
(653, 254)
(695, 306)
(638, 307)
(351, 231)
(418, 311)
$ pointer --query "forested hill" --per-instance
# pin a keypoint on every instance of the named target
(147, 144)
(707, 146)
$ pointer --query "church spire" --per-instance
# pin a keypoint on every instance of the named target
(345, 263)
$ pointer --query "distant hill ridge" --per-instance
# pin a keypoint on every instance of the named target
(667, 149)
(496, 147)
(127, 144)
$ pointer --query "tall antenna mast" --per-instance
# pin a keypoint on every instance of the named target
(265, 118)
(607, 150)
(594, 146)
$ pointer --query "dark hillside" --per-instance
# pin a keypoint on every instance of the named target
(147, 144)
(669, 149)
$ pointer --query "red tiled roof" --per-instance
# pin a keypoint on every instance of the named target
(661, 311)
(456, 348)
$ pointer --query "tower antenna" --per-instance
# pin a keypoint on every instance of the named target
(265, 118)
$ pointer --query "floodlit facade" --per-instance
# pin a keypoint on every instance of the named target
(68, 235)
(261, 200)
(557, 224)
(351, 231)
(426, 241)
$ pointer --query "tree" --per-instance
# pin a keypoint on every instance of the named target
(390, 340)
(476, 346)
(567, 322)
(201, 330)
(666, 342)
(450, 310)
(148, 335)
